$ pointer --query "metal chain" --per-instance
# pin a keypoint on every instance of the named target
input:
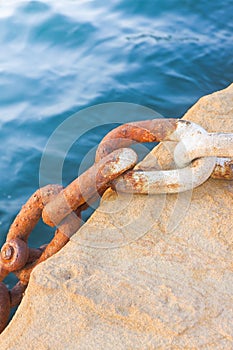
(195, 154)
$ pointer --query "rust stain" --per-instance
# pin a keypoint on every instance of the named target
(17, 257)
(16, 293)
(66, 206)
(154, 130)
(87, 185)
(133, 181)
(30, 213)
(66, 229)
(175, 186)
(4, 306)
(223, 171)
(62, 207)
(18, 254)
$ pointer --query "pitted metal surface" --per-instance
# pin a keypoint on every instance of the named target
(198, 156)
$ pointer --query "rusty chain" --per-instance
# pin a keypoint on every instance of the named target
(196, 156)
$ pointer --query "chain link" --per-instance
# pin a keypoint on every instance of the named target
(195, 155)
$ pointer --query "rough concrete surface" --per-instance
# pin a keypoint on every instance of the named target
(145, 272)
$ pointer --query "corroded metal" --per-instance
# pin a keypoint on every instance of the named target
(223, 169)
(4, 306)
(154, 130)
(17, 257)
(196, 155)
(94, 180)
(204, 145)
(164, 181)
(68, 227)
(16, 293)
(30, 213)
(190, 176)
(15, 252)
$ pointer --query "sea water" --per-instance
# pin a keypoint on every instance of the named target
(59, 58)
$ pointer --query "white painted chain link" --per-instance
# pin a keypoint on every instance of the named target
(195, 155)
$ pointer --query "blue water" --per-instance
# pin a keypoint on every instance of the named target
(59, 58)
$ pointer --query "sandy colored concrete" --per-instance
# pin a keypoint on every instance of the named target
(145, 272)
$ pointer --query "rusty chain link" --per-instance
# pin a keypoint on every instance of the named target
(196, 155)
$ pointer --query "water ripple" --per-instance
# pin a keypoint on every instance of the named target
(59, 57)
